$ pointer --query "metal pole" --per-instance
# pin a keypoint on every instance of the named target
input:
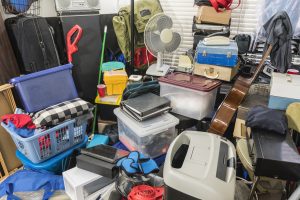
(131, 70)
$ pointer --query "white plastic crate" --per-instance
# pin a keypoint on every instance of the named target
(151, 137)
(84, 185)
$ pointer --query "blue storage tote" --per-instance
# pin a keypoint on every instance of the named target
(48, 143)
(226, 56)
(45, 88)
(56, 164)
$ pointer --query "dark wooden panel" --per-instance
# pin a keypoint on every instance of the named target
(8, 63)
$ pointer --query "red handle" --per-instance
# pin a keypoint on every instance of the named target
(72, 46)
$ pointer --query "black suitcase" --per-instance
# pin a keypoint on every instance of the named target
(33, 43)
(59, 39)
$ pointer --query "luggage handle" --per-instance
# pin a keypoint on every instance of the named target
(72, 46)
(210, 71)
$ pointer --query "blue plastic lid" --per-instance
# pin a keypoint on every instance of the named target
(41, 73)
(113, 65)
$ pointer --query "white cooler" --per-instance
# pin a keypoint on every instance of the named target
(200, 165)
(151, 137)
(190, 96)
(285, 89)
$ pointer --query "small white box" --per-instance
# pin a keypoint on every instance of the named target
(284, 90)
(151, 137)
(84, 185)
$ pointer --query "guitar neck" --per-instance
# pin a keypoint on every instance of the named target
(249, 81)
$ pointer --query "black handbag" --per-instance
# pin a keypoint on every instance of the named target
(137, 89)
(243, 42)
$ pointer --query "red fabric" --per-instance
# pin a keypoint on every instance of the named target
(140, 57)
(19, 120)
(223, 3)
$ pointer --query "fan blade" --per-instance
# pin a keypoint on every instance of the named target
(163, 22)
(174, 44)
(154, 42)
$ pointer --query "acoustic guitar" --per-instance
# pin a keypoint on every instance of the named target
(234, 98)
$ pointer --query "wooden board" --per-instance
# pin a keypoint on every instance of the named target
(9, 67)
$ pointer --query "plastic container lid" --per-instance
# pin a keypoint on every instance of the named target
(150, 126)
(113, 65)
(194, 82)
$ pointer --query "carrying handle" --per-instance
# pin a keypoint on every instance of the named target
(209, 76)
(72, 46)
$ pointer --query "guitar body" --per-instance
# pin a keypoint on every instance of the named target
(234, 98)
(227, 109)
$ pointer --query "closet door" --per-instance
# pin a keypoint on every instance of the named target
(86, 60)
(8, 64)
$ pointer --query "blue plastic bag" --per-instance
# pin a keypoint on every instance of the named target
(29, 181)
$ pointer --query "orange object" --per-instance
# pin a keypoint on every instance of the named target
(146, 192)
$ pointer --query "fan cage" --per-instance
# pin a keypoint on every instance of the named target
(152, 26)
(21, 7)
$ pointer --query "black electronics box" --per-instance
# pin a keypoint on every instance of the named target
(97, 166)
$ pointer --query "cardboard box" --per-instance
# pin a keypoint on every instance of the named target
(207, 14)
(7, 146)
(250, 101)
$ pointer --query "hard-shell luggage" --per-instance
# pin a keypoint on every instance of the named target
(218, 55)
(33, 43)
(216, 72)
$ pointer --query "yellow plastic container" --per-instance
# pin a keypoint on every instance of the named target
(115, 81)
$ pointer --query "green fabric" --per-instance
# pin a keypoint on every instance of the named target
(143, 11)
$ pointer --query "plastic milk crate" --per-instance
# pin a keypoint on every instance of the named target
(51, 142)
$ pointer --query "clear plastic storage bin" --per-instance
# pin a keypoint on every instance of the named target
(190, 96)
(151, 137)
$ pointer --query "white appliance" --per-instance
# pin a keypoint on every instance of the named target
(77, 5)
(200, 165)
(160, 37)
(84, 185)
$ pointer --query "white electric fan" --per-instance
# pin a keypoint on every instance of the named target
(160, 37)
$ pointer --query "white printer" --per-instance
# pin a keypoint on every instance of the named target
(200, 165)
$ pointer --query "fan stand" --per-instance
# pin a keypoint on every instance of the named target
(158, 69)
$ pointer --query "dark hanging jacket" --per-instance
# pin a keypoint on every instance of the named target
(279, 34)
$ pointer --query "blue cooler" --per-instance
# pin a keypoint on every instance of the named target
(45, 88)
(226, 56)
